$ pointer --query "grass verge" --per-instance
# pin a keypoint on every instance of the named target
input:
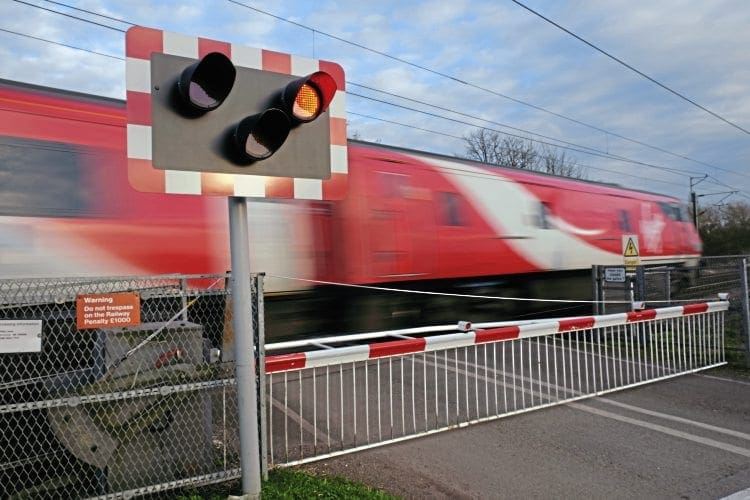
(288, 484)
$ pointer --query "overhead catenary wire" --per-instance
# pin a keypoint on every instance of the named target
(716, 181)
(401, 60)
(631, 68)
(464, 82)
(583, 150)
(656, 148)
(32, 37)
(452, 136)
(467, 115)
(371, 88)
(572, 146)
(41, 7)
(103, 16)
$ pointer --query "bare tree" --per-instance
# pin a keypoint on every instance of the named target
(492, 147)
(518, 153)
(482, 145)
(558, 163)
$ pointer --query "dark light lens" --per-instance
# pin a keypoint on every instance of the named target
(200, 96)
(259, 136)
(259, 144)
(206, 84)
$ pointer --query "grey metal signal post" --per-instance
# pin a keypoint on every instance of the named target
(244, 348)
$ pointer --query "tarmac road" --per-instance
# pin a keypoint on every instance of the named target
(687, 437)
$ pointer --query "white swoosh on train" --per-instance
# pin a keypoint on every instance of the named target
(509, 207)
(570, 228)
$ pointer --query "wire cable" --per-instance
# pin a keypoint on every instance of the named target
(104, 16)
(70, 15)
(561, 141)
(578, 150)
(656, 148)
(467, 115)
(460, 81)
(571, 146)
(469, 296)
(61, 44)
(445, 134)
(631, 68)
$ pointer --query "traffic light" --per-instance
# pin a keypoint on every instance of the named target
(303, 100)
(209, 115)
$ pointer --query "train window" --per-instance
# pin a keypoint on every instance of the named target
(41, 178)
(393, 185)
(674, 211)
(544, 216)
(625, 225)
(452, 212)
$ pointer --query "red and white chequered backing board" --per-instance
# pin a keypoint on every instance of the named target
(142, 42)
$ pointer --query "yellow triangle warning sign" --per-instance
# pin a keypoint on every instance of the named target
(631, 249)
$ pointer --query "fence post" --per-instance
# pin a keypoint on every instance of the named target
(183, 295)
(596, 285)
(745, 310)
(640, 283)
(261, 370)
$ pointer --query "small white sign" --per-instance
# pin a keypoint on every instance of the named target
(614, 274)
(20, 335)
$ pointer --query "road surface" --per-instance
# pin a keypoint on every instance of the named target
(687, 437)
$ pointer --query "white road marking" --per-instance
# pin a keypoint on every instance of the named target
(665, 430)
(660, 428)
(724, 379)
(740, 495)
(665, 416)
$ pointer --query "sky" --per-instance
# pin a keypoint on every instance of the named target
(423, 74)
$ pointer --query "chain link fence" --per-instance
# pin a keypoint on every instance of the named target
(664, 286)
(727, 274)
(89, 408)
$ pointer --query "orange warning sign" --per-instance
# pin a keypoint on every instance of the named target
(108, 310)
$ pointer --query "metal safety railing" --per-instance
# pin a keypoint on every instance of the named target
(338, 400)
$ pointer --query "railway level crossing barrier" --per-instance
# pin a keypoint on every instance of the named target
(121, 411)
(334, 401)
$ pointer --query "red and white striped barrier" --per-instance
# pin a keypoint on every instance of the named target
(298, 361)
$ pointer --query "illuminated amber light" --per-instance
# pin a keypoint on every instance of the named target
(307, 103)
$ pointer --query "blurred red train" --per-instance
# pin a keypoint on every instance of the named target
(410, 219)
